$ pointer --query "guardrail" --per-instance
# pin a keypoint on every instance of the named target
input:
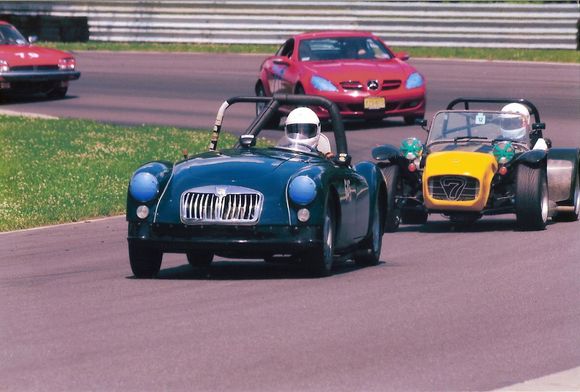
(532, 25)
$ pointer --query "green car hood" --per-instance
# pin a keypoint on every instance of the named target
(265, 170)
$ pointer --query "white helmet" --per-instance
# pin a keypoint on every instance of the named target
(302, 128)
(515, 125)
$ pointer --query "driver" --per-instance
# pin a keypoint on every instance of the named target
(515, 126)
(302, 130)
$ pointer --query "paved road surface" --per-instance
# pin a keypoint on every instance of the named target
(445, 310)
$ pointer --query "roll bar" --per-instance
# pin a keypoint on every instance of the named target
(466, 101)
(273, 104)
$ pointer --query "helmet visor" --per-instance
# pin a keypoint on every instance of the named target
(512, 122)
(301, 131)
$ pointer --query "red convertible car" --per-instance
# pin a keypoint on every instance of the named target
(354, 69)
(25, 68)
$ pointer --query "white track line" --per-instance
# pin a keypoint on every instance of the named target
(568, 380)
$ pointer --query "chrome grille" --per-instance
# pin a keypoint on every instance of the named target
(221, 205)
(35, 68)
(453, 188)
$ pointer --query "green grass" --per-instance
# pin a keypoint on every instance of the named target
(555, 55)
(54, 171)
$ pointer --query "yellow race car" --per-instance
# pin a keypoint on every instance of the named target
(479, 162)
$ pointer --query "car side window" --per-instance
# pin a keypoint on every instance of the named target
(287, 49)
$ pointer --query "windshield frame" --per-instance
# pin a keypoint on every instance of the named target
(455, 135)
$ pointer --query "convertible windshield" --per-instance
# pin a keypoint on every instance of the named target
(342, 48)
(10, 36)
(456, 126)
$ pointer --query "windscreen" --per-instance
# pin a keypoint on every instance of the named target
(342, 48)
(10, 36)
(451, 125)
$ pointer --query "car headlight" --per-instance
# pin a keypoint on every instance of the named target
(415, 80)
(143, 187)
(504, 152)
(322, 84)
(302, 190)
(67, 64)
(4, 67)
(411, 148)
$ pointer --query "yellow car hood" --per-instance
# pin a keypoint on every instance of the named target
(458, 180)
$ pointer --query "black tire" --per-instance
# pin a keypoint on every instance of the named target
(320, 260)
(571, 216)
(393, 212)
(199, 259)
(274, 122)
(58, 92)
(145, 262)
(413, 216)
(370, 252)
(410, 120)
(531, 198)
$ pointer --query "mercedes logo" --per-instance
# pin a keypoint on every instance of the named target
(373, 84)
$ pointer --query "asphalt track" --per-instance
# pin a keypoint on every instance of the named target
(446, 309)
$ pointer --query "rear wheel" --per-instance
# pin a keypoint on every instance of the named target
(572, 215)
(393, 213)
(145, 261)
(199, 259)
(531, 198)
(371, 247)
(320, 260)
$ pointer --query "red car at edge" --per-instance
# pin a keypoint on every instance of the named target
(354, 69)
(26, 69)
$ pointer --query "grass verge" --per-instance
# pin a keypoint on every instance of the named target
(554, 55)
(55, 171)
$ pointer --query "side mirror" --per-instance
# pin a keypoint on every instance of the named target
(402, 56)
(539, 126)
(32, 39)
(282, 60)
(422, 123)
(247, 141)
(343, 159)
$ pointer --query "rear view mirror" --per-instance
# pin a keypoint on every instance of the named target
(247, 141)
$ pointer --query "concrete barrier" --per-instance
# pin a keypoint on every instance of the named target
(532, 25)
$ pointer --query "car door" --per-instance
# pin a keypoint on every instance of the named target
(353, 192)
(282, 70)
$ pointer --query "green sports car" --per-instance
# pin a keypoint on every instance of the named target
(251, 202)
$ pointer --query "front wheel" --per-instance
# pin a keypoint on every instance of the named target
(58, 92)
(531, 198)
(145, 262)
(199, 259)
(321, 259)
(393, 213)
(371, 247)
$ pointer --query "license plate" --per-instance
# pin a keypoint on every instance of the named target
(374, 103)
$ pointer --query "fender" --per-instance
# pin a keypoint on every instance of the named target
(386, 152)
(162, 171)
(375, 180)
(531, 158)
(562, 168)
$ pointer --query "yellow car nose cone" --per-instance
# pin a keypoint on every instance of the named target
(458, 180)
